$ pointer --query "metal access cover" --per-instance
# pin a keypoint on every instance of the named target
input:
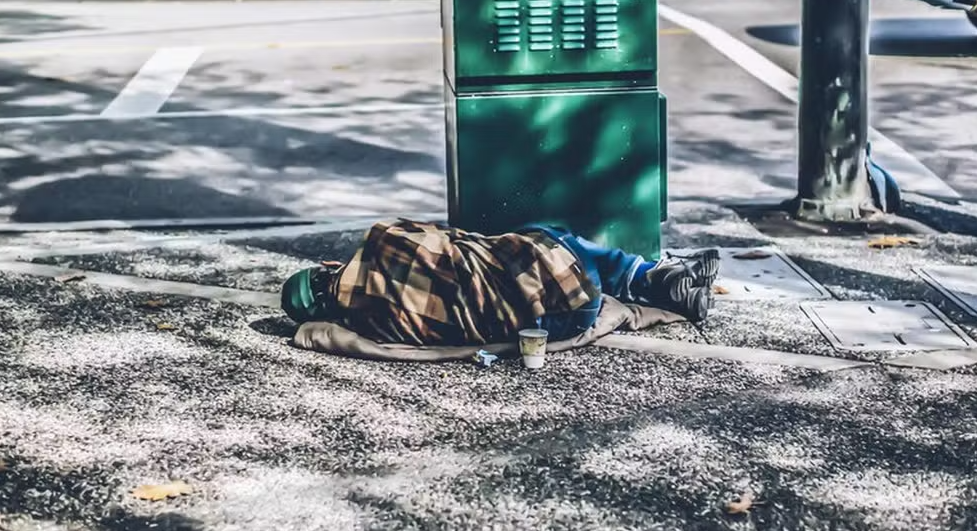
(885, 326)
(770, 274)
(957, 283)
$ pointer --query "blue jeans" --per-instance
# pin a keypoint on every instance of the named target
(610, 270)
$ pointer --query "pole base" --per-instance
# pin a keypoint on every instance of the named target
(782, 221)
(832, 211)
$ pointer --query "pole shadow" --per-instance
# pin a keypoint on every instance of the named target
(911, 37)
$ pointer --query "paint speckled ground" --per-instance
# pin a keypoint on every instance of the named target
(96, 400)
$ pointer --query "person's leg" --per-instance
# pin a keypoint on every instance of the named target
(683, 286)
(611, 270)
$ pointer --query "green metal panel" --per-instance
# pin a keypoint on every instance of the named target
(589, 40)
(587, 160)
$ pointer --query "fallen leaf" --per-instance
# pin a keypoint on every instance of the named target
(742, 506)
(755, 254)
(161, 492)
(165, 326)
(69, 277)
(886, 242)
(719, 290)
(154, 304)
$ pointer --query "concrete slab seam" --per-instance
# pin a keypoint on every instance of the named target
(335, 110)
(179, 242)
(945, 291)
(618, 341)
(147, 285)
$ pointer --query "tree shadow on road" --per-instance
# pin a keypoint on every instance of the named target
(940, 128)
(915, 37)
(18, 25)
(226, 166)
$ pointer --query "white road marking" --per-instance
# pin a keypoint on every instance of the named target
(911, 174)
(337, 110)
(147, 92)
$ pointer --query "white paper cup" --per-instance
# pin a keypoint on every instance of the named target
(532, 346)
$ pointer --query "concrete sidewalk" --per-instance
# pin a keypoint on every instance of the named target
(109, 389)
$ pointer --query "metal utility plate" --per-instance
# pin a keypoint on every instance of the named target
(775, 277)
(896, 326)
(957, 283)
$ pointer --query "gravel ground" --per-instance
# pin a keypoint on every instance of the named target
(97, 400)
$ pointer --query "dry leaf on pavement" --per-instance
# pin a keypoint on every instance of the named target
(719, 290)
(165, 326)
(161, 492)
(886, 242)
(755, 254)
(742, 506)
(69, 277)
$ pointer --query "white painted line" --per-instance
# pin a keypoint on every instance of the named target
(911, 174)
(147, 92)
(335, 110)
(147, 285)
(684, 349)
(21, 252)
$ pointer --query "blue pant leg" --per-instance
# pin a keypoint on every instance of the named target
(611, 271)
(615, 267)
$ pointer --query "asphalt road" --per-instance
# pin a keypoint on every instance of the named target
(377, 147)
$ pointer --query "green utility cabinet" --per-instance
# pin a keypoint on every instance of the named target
(554, 116)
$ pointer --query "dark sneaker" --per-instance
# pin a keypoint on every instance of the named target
(695, 305)
(704, 265)
(667, 281)
(671, 287)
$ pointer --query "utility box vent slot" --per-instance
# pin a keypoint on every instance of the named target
(547, 25)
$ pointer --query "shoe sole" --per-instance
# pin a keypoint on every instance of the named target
(681, 287)
(703, 301)
(710, 268)
(704, 266)
(679, 282)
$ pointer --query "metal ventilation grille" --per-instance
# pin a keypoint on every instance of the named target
(606, 34)
(545, 25)
(508, 26)
(541, 25)
(574, 34)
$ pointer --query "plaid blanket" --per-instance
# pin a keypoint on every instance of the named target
(424, 284)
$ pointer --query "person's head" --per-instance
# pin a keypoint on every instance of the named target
(305, 295)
